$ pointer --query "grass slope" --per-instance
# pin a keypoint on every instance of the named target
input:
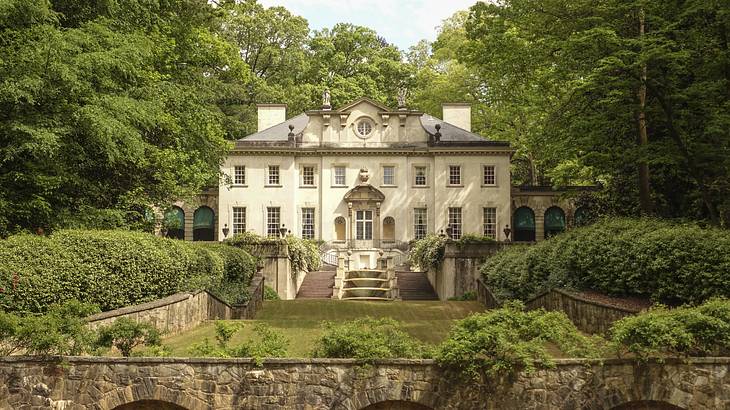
(300, 321)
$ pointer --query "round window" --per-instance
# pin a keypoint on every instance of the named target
(364, 127)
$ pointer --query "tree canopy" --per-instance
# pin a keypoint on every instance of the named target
(109, 107)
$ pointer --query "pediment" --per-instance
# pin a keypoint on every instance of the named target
(364, 100)
(364, 192)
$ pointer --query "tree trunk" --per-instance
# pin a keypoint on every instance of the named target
(644, 186)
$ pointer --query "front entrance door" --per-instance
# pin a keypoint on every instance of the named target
(364, 225)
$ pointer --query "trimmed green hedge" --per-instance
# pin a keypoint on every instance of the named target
(110, 269)
(669, 262)
(303, 253)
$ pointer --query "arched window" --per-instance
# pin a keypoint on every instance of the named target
(203, 224)
(389, 229)
(582, 216)
(524, 225)
(175, 223)
(554, 221)
(340, 226)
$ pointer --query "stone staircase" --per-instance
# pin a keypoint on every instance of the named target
(415, 286)
(317, 285)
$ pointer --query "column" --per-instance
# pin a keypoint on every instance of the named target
(539, 224)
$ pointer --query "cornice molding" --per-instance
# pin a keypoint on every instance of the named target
(373, 152)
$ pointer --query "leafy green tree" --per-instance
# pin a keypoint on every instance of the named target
(110, 106)
(126, 334)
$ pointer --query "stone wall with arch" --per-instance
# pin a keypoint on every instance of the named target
(206, 199)
(202, 384)
(542, 199)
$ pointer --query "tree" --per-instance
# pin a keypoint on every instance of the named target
(113, 106)
(584, 65)
(125, 334)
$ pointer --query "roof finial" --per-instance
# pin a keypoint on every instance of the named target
(326, 105)
(402, 94)
(291, 133)
(437, 136)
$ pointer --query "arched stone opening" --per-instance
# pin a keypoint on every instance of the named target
(397, 405)
(175, 223)
(554, 221)
(524, 225)
(389, 229)
(204, 224)
(340, 228)
(149, 405)
(647, 405)
(581, 216)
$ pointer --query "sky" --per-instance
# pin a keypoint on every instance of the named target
(400, 22)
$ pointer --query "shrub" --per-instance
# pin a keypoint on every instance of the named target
(110, 269)
(303, 253)
(125, 334)
(669, 262)
(509, 340)
(686, 331)
(368, 339)
(238, 269)
(428, 252)
(270, 293)
(61, 331)
(265, 343)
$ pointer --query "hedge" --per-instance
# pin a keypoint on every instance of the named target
(110, 269)
(303, 253)
(668, 262)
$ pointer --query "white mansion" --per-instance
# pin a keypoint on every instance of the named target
(367, 176)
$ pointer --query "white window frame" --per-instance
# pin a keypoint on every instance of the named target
(363, 221)
(461, 175)
(334, 175)
(425, 176)
(242, 180)
(308, 226)
(272, 231)
(270, 174)
(489, 222)
(303, 181)
(393, 176)
(485, 167)
(420, 230)
(455, 222)
(238, 222)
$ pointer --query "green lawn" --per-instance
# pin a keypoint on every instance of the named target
(300, 321)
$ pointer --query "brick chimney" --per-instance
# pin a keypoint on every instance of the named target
(458, 114)
(270, 115)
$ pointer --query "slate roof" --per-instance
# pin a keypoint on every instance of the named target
(451, 135)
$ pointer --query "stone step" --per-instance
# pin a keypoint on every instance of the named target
(415, 286)
(317, 285)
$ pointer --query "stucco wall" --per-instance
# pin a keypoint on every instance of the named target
(195, 384)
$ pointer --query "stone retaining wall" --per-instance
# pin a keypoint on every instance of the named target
(197, 384)
(589, 316)
(186, 310)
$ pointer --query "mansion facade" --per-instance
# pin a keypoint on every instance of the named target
(368, 176)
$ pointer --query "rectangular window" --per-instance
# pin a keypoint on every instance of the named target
(419, 223)
(454, 175)
(239, 219)
(308, 223)
(364, 225)
(273, 175)
(490, 222)
(389, 175)
(273, 219)
(420, 176)
(455, 223)
(308, 176)
(490, 176)
(239, 175)
(340, 176)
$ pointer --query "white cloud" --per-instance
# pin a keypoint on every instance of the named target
(402, 23)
